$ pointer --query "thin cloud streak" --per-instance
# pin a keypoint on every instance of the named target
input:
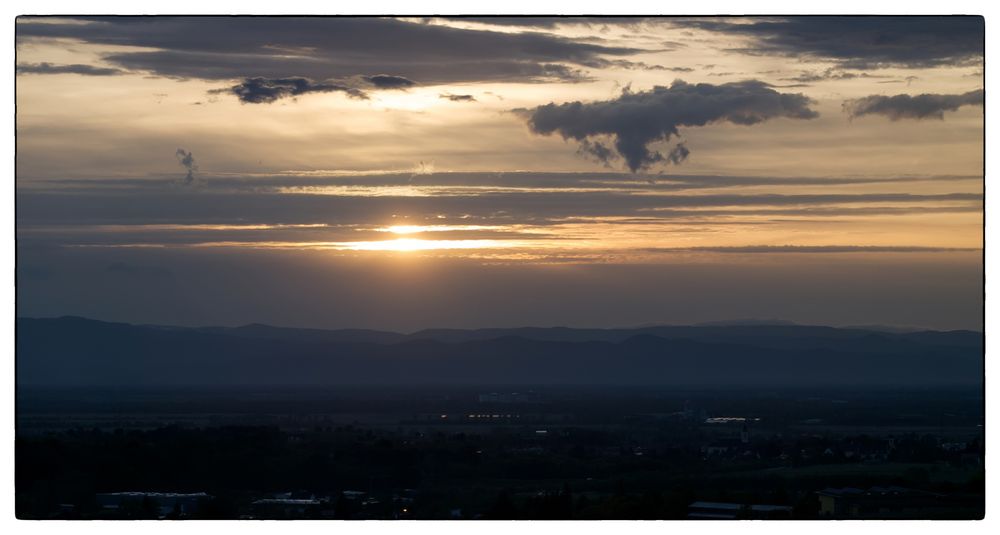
(75, 68)
(527, 180)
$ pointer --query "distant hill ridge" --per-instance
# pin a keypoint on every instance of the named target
(73, 351)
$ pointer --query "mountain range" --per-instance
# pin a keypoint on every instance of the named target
(79, 352)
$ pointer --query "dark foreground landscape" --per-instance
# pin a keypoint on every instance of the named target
(122, 421)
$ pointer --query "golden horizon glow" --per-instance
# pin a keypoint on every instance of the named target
(398, 245)
(413, 229)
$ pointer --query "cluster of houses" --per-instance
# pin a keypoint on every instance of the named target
(281, 505)
(157, 504)
(836, 503)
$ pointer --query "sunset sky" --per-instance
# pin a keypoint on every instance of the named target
(421, 172)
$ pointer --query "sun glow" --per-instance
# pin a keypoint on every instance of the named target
(414, 244)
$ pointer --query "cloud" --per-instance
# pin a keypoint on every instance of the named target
(187, 160)
(828, 74)
(325, 48)
(551, 22)
(458, 98)
(75, 68)
(267, 90)
(601, 63)
(678, 154)
(861, 42)
(601, 152)
(491, 182)
(422, 168)
(155, 204)
(924, 106)
(388, 81)
(908, 80)
(636, 119)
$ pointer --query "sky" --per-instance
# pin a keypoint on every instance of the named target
(406, 173)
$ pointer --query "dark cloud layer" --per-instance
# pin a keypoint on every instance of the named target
(388, 81)
(225, 48)
(552, 22)
(924, 106)
(862, 42)
(267, 90)
(75, 68)
(636, 119)
(204, 206)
